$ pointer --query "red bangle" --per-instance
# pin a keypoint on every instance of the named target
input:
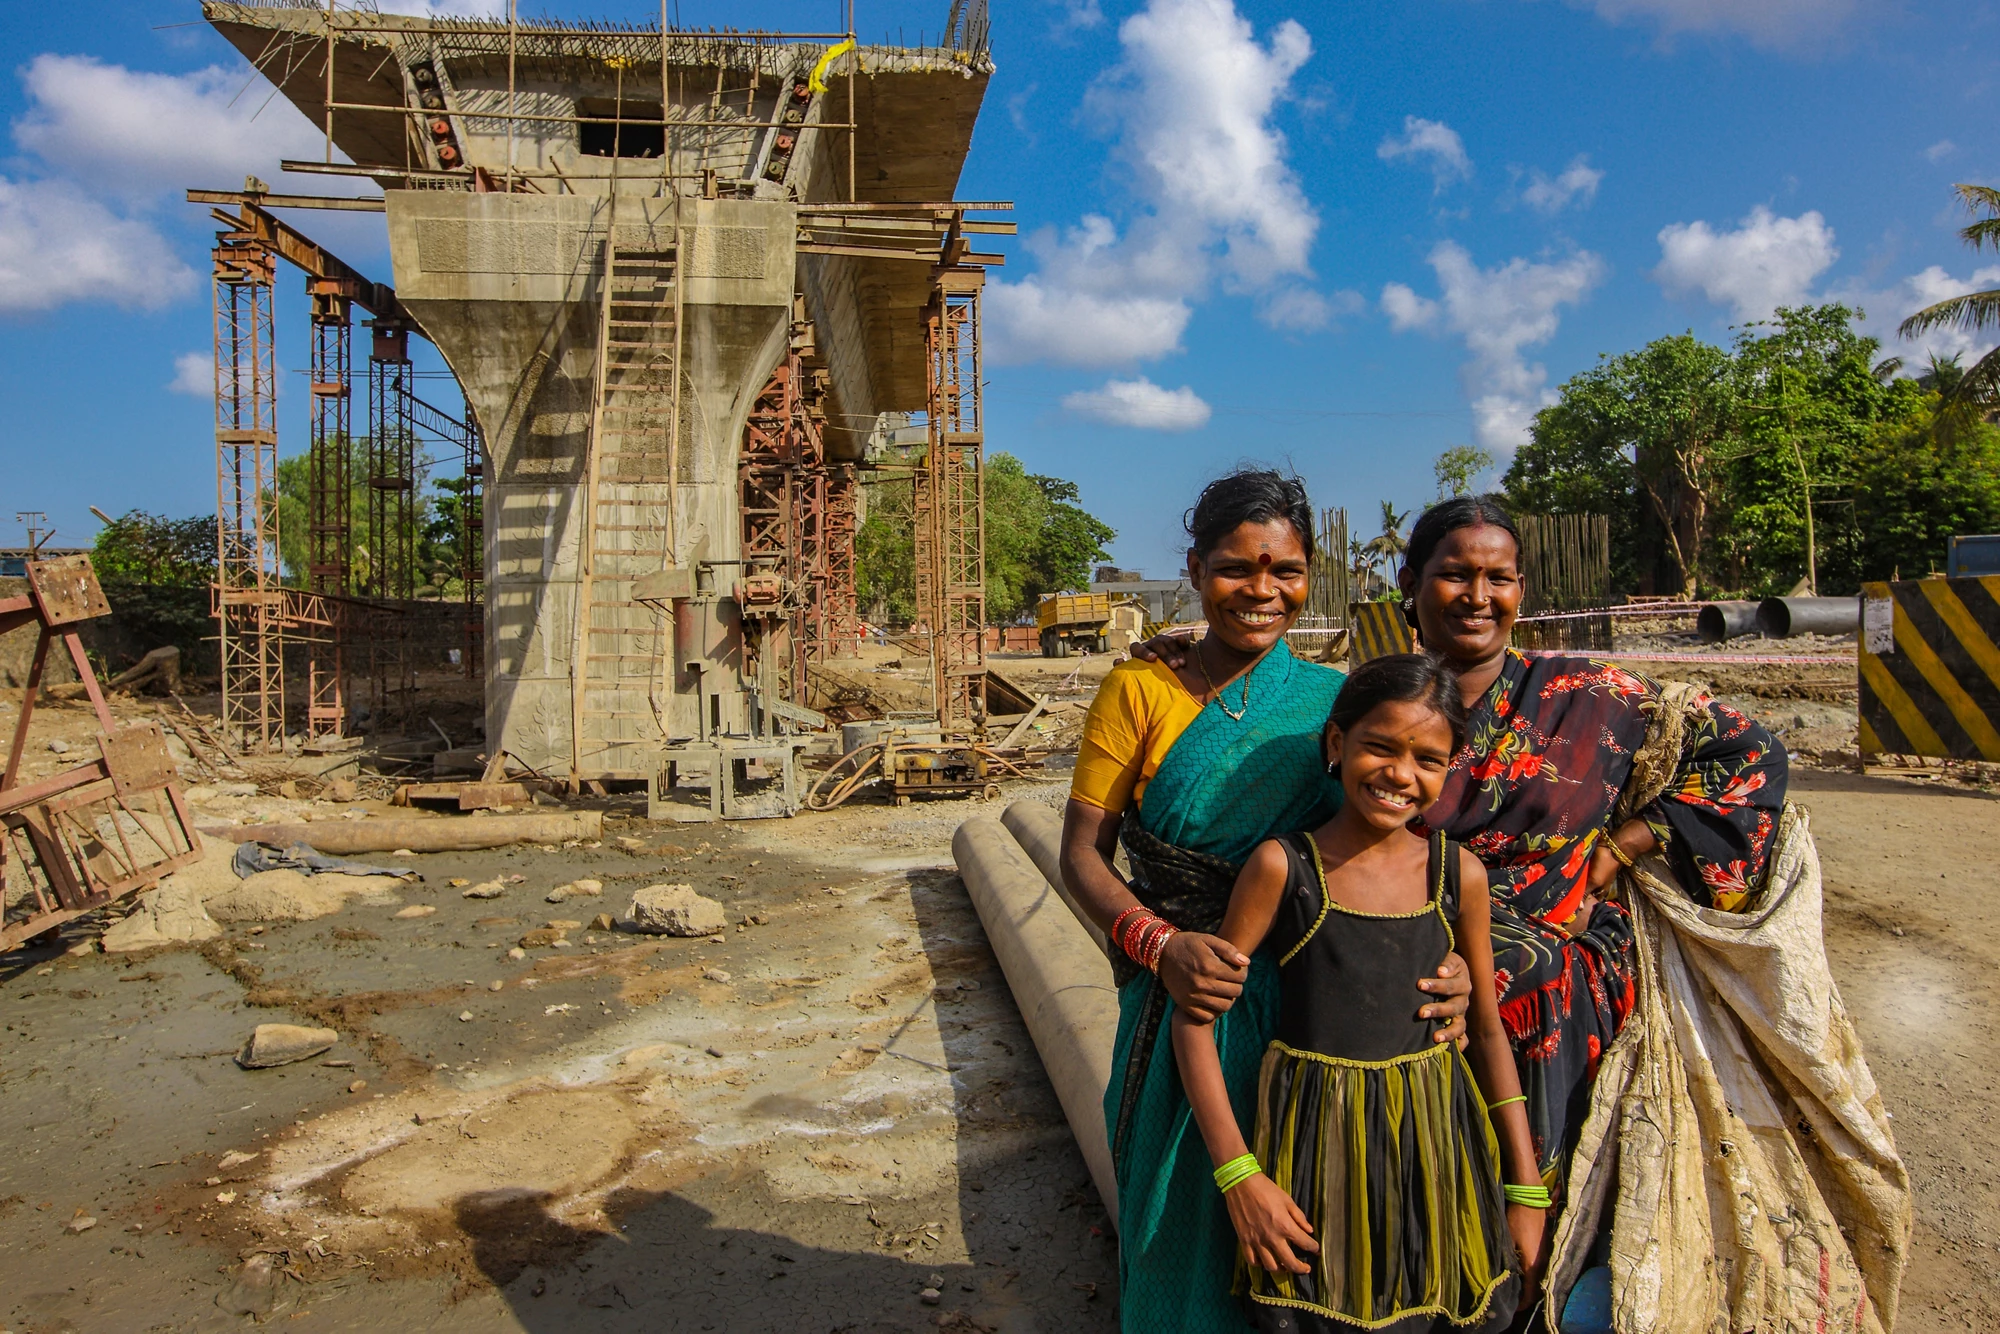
(1159, 946)
(1118, 924)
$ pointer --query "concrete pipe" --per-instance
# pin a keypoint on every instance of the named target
(1061, 982)
(1038, 829)
(1725, 620)
(1781, 618)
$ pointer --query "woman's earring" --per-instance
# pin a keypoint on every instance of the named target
(1333, 766)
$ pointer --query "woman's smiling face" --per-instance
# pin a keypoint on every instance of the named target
(1467, 594)
(1252, 584)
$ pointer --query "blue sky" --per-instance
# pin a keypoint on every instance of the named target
(1339, 237)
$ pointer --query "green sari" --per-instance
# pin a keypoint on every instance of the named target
(1226, 785)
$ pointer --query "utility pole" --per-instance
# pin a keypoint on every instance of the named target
(33, 520)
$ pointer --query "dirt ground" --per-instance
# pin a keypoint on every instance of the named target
(806, 1124)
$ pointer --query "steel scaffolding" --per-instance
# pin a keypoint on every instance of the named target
(248, 599)
(328, 500)
(950, 527)
(785, 488)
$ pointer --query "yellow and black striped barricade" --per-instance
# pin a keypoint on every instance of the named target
(1375, 628)
(1930, 671)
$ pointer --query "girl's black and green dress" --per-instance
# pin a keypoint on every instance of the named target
(1376, 1130)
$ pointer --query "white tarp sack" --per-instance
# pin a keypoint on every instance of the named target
(1736, 1136)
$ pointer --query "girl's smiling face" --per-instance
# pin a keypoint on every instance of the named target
(1392, 761)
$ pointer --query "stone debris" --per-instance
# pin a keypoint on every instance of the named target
(281, 1044)
(59, 747)
(630, 844)
(235, 1158)
(563, 924)
(417, 910)
(541, 938)
(226, 1197)
(930, 1296)
(604, 921)
(576, 889)
(357, 1086)
(486, 889)
(81, 1223)
(495, 985)
(465, 1016)
(673, 910)
(716, 974)
(342, 789)
(518, 952)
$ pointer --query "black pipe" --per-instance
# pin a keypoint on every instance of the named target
(1725, 620)
(1781, 618)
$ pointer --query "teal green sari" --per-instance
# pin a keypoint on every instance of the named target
(1226, 785)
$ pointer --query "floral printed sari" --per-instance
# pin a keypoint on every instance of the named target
(1547, 753)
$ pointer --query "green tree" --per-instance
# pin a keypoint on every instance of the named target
(1928, 476)
(1974, 312)
(144, 548)
(1039, 539)
(885, 554)
(1386, 548)
(1457, 467)
(1640, 437)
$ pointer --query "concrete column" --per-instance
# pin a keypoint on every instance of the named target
(508, 286)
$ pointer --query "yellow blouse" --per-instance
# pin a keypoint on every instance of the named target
(1140, 711)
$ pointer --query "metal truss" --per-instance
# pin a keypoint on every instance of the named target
(328, 500)
(950, 528)
(247, 594)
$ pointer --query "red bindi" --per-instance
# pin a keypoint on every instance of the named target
(1264, 558)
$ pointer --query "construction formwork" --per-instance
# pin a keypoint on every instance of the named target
(646, 212)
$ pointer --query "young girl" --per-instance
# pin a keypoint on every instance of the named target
(1374, 1197)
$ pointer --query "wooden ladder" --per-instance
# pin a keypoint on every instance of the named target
(629, 490)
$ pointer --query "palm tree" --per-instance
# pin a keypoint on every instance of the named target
(1388, 547)
(1975, 310)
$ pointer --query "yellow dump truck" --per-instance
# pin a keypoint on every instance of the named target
(1068, 620)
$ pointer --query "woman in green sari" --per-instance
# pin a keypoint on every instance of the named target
(1211, 758)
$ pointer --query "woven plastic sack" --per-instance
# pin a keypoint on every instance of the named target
(1735, 1134)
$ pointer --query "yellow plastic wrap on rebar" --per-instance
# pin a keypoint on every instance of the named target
(818, 80)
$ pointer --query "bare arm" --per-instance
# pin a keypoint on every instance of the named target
(1268, 1222)
(1492, 1062)
(1203, 973)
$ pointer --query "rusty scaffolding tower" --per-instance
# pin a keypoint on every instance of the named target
(786, 486)
(248, 600)
(950, 524)
(256, 614)
(328, 498)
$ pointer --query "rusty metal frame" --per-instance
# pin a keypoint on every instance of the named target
(92, 833)
(950, 525)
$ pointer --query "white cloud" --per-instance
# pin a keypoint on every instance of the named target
(1432, 143)
(1302, 310)
(1940, 150)
(1885, 309)
(58, 245)
(136, 133)
(1500, 312)
(1767, 23)
(1141, 404)
(194, 375)
(1406, 310)
(1191, 102)
(1578, 183)
(1766, 262)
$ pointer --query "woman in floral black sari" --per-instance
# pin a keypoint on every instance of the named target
(1533, 794)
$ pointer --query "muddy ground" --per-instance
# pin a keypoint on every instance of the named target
(802, 1125)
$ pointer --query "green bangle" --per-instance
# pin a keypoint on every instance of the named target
(1235, 1172)
(1493, 1107)
(1534, 1197)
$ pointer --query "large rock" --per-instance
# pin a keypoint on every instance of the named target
(170, 915)
(278, 896)
(281, 1044)
(673, 910)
